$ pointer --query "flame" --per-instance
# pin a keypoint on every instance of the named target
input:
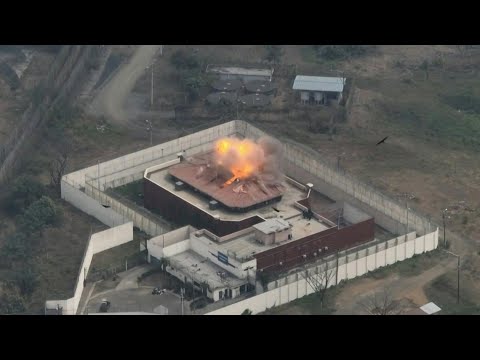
(241, 157)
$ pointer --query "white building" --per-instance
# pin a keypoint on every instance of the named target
(319, 89)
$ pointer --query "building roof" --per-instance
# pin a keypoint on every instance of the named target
(240, 71)
(227, 85)
(318, 83)
(430, 308)
(272, 225)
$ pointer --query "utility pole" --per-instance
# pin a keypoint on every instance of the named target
(151, 93)
(458, 274)
(182, 295)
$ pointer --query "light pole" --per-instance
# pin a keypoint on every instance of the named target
(182, 296)
(444, 215)
(458, 274)
(149, 129)
(151, 93)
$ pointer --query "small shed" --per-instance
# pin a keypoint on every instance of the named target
(319, 89)
(272, 231)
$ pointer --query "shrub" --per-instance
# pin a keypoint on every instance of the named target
(26, 280)
(24, 191)
(341, 52)
(11, 301)
(16, 247)
(39, 214)
(181, 60)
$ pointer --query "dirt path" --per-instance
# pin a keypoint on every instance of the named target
(110, 102)
(411, 288)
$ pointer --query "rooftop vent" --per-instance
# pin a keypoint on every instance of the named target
(179, 185)
(213, 205)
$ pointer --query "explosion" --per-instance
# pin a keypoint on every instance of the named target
(246, 159)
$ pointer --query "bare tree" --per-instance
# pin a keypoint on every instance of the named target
(319, 279)
(59, 165)
(381, 303)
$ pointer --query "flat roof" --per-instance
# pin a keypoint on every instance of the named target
(285, 206)
(246, 245)
(318, 83)
(272, 225)
(204, 270)
(234, 70)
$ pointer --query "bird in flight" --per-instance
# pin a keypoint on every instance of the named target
(382, 141)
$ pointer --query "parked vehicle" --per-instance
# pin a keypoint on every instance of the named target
(158, 291)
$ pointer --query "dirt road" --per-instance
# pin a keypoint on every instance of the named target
(399, 287)
(110, 102)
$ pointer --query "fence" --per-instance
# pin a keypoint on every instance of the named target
(339, 185)
(141, 217)
(98, 242)
(343, 266)
(59, 84)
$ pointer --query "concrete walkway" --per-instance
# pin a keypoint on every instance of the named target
(129, 278)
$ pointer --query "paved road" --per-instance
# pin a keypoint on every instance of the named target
(129, 278)
(110, 101)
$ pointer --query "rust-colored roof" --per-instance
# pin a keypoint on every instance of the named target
(210, 180)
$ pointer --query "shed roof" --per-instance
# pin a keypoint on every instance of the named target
(318, 83)
(272, 225)
(240, 71)
(430, 308)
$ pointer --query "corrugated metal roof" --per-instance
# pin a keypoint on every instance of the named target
(318, 83)
(241, 71)
(272, 225)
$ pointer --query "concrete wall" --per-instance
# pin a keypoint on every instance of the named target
(144, 221)
(98, 242)
(350, 265)
(177, 248)
(137, 162)
(90, 206)
(353, 215)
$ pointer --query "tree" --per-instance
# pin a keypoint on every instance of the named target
(424, 66)
(193, 81)
(26, 280)
(39, 214)
(181, 60)
(11, 301)
(58, 166)
(342, 52)
(381, 303)
(23, 192)
(319, 279)
(16, 247)
(274, 53)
